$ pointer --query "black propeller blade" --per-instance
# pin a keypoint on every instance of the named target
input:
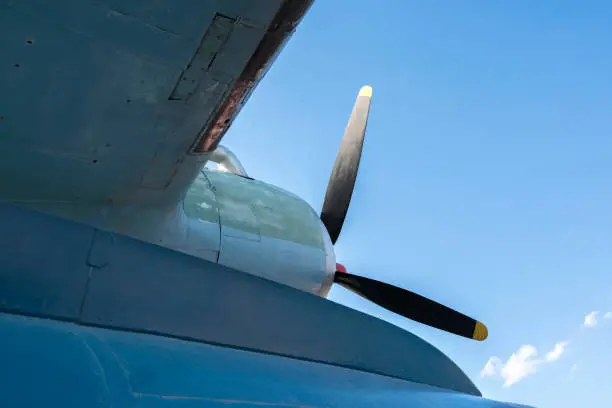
(413, 306)
(335, 207)
(344, 174)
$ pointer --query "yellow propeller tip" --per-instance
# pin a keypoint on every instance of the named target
(366, 91)
(480, 332)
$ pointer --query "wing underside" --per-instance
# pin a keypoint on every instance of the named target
(120, 101)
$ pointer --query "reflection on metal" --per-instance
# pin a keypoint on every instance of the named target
(69, 271)
(227, 161)
(330, 262)
(136, 370)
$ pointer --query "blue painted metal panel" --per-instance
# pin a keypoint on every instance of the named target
(50, 363)
(124, 283)
(42, 272)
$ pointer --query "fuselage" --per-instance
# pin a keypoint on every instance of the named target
(92, 318)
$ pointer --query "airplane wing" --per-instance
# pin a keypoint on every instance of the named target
(121, 101)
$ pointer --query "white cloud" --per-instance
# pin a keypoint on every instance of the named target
(555, 353)
(608, 315)
(590, 320)
(521, 363)
(492, 367)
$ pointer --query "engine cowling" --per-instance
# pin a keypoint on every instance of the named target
(262, 230)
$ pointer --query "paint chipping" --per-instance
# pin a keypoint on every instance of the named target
(283, 25)
(212, 43)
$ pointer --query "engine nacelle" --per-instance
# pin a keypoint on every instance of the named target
(262, 230)
(229, 218)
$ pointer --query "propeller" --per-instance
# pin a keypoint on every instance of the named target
(335, 206)
(342, 180)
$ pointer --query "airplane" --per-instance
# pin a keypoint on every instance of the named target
(133, 274)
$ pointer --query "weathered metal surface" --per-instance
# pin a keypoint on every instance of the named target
(100, 101)
(241, 223)
(62, 270)
(268, 232)
(217, 34)
(287, 17)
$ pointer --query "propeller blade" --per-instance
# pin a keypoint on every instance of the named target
(413, 306)
(344, 174)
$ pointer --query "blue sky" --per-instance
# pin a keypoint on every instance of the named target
(485, 179)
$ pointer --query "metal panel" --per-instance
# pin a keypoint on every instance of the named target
(237, 210)
(268, 232)
(162, 291)
(143, 287)
(215, 37)
(43, 263)
(47, 364)
(168, 227)
(86, 95)
(93, 367)
(292, 264)
(84, 90)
